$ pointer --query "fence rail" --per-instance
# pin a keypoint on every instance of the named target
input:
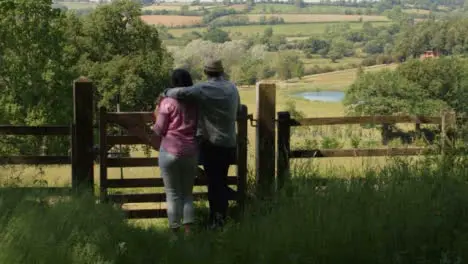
(341, 153)
(285, 153)
(155, 182)
(363, 120)
(81, 156)
(46, 130)
(35, 160)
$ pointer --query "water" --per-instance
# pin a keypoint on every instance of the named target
(323, 96)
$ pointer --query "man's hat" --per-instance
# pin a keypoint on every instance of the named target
(214, 66)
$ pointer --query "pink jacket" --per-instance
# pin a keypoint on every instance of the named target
(176, 123)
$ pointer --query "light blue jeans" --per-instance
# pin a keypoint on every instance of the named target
(178, 174)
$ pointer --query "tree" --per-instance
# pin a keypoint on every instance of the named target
(268, 33)
(250, 3)
(288, 65)
(217, 35)
(123, 55)
(242, 62)
(36, 69)
(299, 3)
(314, 45)
(374, 47)
(43, 50)
(415, 87)
(339, 48)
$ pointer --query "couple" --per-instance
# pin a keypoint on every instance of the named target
(196, 122)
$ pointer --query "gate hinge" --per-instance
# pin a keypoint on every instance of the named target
(253, 122)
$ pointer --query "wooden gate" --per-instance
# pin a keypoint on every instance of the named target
(107, 185)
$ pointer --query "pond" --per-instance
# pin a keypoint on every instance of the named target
(323, 96)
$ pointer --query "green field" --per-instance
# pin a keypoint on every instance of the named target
(281, 8)
(78, 5)
(309, 29)
(333, 81)
(318, 61)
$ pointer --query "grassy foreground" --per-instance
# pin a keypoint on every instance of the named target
(405, 213)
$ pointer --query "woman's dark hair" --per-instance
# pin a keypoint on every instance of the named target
(181, 78)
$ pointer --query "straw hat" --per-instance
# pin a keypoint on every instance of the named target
(214, 66)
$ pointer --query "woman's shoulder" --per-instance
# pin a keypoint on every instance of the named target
(169, 100)
(168, 104)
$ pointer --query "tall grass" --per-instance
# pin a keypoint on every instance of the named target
(407, 212)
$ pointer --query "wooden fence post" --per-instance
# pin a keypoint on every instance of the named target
(73, 154)
(242, 155)
(103, 154)
(284, 148)
(265, 143)
(83, 175)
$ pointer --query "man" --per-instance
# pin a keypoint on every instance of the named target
(218, 103)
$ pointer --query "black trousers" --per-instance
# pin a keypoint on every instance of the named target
(216, 161)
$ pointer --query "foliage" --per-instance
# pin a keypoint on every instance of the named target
(217, 35)
(341, 40)
(270, 20)
(218, 13)
(445, 36)
(235, 20)
(340, 48)
(288, 65)
(416, 87)
(244, 64)
(124, 55)
(42, 54)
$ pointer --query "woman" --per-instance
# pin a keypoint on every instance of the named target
(176, 125)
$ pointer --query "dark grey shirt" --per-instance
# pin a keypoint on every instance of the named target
(218, 103)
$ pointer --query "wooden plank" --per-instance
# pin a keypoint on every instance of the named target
(153, 182)
(35, 160)
(335, 153)
(74, 164)
(147, 197)
(124, 140)
(102, 154)
(137, 117)
(348, 120)
(83, 116)
(266, 131)
(132, 162)
(46, 130)
(136, 162)
(145, 213)
(284, 148)
(242, 155)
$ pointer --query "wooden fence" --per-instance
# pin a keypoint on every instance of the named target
(108, 184)
(285, 153)
(83, 152)
(81, 157)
